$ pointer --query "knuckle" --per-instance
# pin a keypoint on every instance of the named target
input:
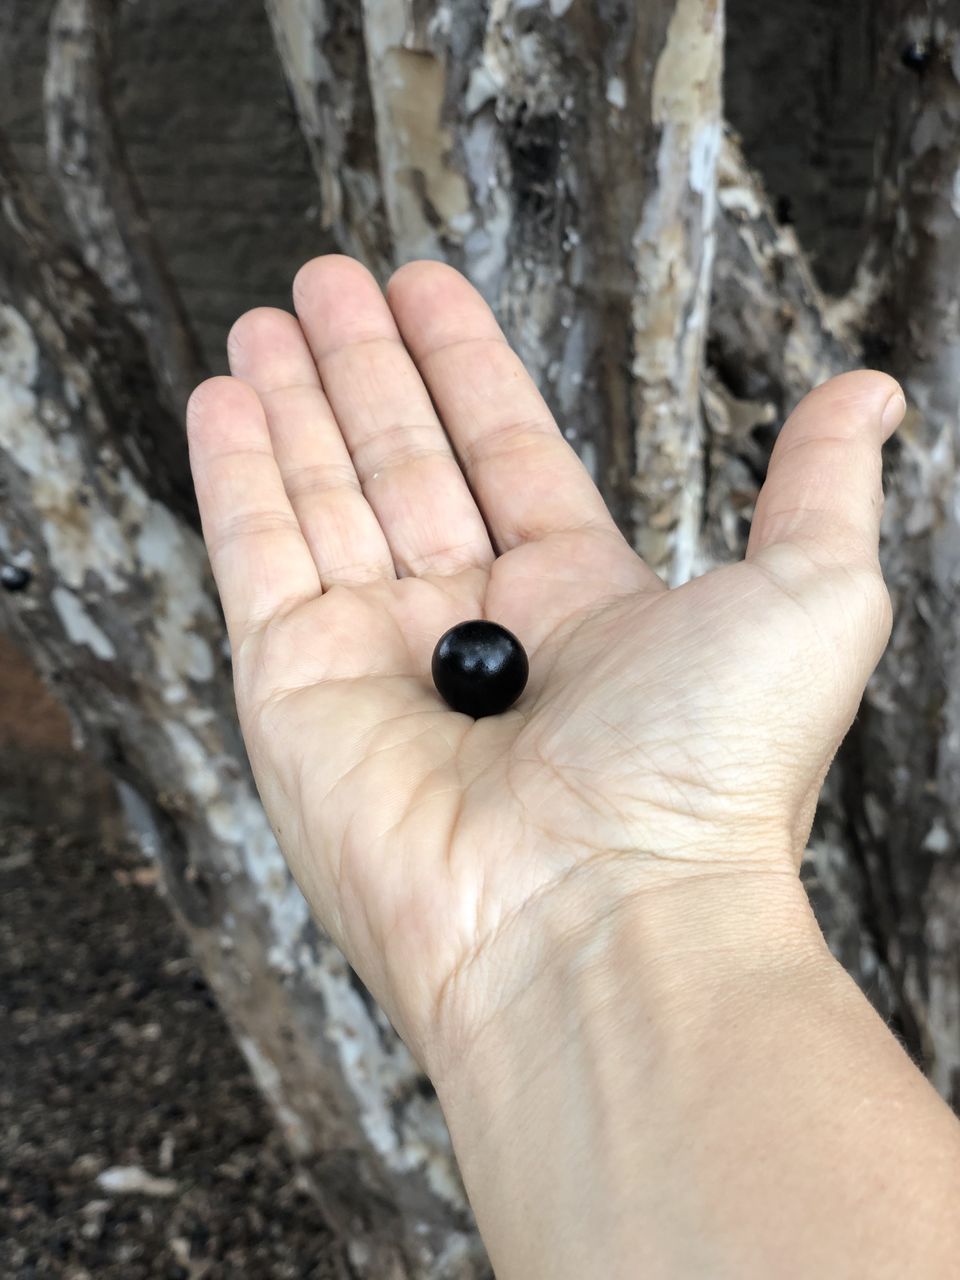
(876, 605)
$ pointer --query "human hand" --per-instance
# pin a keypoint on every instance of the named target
(664, 736)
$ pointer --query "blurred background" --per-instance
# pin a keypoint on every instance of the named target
(134, 1140)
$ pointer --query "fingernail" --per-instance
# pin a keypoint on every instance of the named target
(893, 413)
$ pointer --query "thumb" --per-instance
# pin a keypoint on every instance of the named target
(823, 492)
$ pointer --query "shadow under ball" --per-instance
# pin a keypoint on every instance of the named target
(480, 668)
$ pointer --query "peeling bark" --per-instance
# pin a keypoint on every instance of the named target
(563, 156)
(149, 443)
(909, 818)
(499, 129)
(120, 615)
(492, 155)
(101, 198)
(882, 866)
(674, 249)
(321, 48)
(773, 333)
(771, 339)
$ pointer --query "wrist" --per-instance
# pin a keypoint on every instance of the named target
(668, 946)
(695, 1087)
(565, 1105)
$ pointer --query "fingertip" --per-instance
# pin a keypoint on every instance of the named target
(434, 304)
(340, 304)
(422, 274)
(877, 396)
(200, 399)
(851, 405)
(267, 348)
(893, 413)
(215, 401)
(329, 274)
(261, 328)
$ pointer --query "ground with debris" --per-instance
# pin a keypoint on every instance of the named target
(133, 1142)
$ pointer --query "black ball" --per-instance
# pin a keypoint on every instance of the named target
(15, 578)
(480, 668)
(917, 56)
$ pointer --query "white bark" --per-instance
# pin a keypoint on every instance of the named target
(120, 614)
(101, 199)
(320, 46)
(565, 158)
(674, 253)
(562, 155)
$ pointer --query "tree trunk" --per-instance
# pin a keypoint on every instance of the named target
(107, 213)
(109, 588)
(906, 812)
(321, 47)
(571, 159)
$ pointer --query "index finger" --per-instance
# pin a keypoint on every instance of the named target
(260, 559)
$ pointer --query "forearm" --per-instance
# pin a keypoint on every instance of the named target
(703, 1092)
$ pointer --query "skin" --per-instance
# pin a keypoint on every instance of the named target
(593, 895)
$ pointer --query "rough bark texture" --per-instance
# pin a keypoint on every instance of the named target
(883, 870)
(907, 822)
(772, 335)
(498, 128)
(101, 199)
(568, 157)
(114, 601)
(321, 49)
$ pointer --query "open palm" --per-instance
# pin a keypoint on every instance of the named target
(381, 469)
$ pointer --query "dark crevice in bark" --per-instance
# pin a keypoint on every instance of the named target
(576, 172)
(911, 744)
(709, 444)
(106, 209)
(878, 899)
(151, 441)
(120, 617)
(334, 110)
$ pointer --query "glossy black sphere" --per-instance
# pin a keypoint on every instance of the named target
(480, 668)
